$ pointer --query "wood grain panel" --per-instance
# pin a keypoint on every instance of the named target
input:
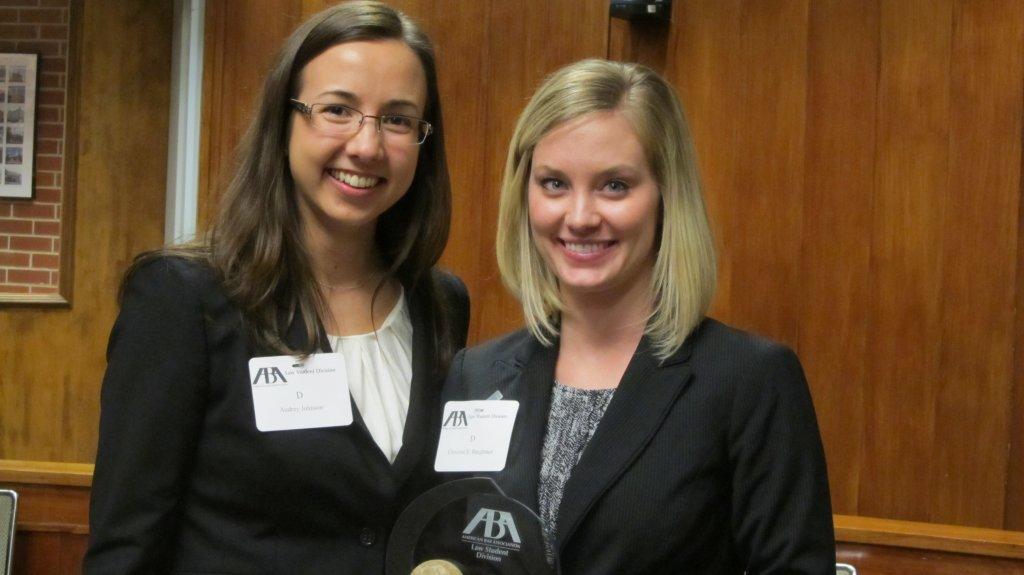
(53, 522)
(979, 236)
(34, 553)
(241, 41)
(49, 553)
(907, 194)
(121, 188)
(53, 515)
(703, 64)
(640, 41)
(463, 53)
(911, 188)
(51, 361)
(525, 45)
(766, 220)
(52, 508)
(835, 260)
(1013, 516)
(741, 71)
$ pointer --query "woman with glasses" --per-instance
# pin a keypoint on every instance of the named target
(648, 437)
(270, 391)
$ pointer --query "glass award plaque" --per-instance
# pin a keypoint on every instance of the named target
(467, 527)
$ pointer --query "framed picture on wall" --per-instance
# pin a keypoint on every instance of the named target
(18, 78)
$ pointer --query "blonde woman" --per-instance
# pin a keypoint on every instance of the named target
(649, 438)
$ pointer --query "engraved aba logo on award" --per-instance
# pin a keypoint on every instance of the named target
(496, 525)
(498, 535)
(466, 527)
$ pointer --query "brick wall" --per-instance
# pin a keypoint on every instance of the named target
(30, 230)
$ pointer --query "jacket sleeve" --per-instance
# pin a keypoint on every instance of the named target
(782, 517)
(151, 410)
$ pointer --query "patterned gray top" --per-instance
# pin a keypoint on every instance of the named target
(572, 421)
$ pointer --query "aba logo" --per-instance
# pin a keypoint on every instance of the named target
(497, 524)
(269, 375)
(456, 418)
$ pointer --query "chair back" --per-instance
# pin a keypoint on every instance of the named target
(845, 569)
(8, 517)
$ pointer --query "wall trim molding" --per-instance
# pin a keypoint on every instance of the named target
(55, 473)
(929, 536)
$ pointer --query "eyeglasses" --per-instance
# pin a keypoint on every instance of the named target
(342, 120)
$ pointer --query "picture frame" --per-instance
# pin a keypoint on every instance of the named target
(19, 77)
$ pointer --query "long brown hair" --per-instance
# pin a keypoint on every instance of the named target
(255, 244)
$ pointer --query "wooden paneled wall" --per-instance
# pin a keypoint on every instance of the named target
(861, 160)
(52, 359)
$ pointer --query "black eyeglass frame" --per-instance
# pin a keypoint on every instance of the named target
(425, 128)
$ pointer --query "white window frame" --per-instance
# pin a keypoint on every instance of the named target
(186, 108)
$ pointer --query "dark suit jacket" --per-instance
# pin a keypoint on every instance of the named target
(184, 481)
(709, 463)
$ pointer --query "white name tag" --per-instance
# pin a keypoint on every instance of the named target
(291, 394)
(475, 435)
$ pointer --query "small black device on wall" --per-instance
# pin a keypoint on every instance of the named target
(660, 10)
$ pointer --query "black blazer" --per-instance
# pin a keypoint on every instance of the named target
(708, 463)
(184, 481)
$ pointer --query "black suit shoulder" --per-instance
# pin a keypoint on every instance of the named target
(175, 286)
(173, 272)
(455, 297)
(452, 285)
(742, 359)
(510, 347)
(469, 375)
(713, 338)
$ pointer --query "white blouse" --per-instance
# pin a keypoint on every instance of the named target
(379, 369)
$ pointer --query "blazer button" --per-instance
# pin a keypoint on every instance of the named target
(367, 537)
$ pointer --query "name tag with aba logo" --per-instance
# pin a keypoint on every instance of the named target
(475, 435)
(288, 393)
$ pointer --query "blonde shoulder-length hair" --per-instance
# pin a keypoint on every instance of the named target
(683, 281)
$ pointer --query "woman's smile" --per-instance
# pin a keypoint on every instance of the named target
(594, 204)
(348, 181)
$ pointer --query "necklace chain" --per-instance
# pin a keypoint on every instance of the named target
(349, 286)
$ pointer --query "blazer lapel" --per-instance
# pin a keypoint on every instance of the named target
(641, 402)
(423, 397)
(295, 337)
(529, 381)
